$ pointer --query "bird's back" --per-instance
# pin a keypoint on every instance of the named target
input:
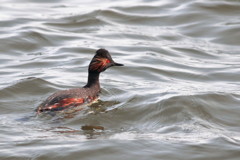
(68, 98)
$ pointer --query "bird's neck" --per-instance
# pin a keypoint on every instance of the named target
(93, 80)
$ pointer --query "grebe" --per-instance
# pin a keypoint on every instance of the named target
(77, 96)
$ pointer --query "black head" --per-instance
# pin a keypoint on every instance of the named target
(101, 61)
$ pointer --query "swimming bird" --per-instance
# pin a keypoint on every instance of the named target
(78, 96)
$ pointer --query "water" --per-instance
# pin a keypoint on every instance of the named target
(177, 97)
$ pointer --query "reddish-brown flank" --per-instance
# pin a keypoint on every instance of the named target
(69, 102)
(66, 102)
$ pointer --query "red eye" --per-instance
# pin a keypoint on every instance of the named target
(107, 61)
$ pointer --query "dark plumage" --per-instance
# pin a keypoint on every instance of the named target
(78, 96)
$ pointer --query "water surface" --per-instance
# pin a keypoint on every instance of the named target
(177, 97)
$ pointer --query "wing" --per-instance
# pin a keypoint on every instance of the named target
(61, 100)
(67, 98)
(60, 104)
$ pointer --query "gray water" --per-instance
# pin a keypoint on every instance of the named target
(176, 98)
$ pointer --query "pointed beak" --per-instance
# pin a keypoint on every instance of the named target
(117, 64)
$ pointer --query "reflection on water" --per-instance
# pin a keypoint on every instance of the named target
(176, 98)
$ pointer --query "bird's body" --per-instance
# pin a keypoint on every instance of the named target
(78, 96)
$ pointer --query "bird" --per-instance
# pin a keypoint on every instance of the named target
(89, 93)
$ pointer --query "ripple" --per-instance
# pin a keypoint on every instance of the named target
(177, 95)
